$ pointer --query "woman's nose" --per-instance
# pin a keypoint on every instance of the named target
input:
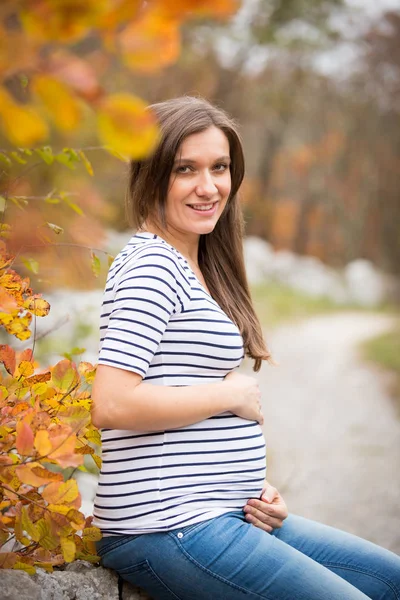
(206, 186)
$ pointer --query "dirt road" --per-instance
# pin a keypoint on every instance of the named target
(332, 430)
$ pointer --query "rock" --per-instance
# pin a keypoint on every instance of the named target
(258, 256)
(79, 581)
(366, 285)
(17, 585)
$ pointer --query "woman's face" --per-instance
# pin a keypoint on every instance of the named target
(200, 183)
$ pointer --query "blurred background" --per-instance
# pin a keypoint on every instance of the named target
(315, 87)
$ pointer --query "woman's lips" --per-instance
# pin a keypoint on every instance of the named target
(203, 208)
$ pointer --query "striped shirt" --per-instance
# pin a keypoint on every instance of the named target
(159, 321)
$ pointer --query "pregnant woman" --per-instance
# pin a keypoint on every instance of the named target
(182, 499)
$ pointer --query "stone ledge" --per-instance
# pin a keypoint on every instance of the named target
(78, 581)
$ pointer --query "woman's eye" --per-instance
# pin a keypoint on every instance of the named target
(221, 167)
(183, 169)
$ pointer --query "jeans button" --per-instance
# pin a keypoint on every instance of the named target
(180, 535)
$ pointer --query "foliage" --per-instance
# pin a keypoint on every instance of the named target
(276, 303)
(64, 87)
(45, 428)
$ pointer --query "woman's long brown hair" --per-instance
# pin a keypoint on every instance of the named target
(221, 251)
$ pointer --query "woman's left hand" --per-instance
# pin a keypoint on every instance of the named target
(269, 512)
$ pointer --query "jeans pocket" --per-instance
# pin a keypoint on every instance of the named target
(143, 576)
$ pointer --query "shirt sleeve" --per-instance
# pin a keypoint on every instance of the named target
(147, 292)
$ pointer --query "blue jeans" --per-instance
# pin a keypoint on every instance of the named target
(227, 558)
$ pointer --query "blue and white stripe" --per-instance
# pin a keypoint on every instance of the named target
(160, 322)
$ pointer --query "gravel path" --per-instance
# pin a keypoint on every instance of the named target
(332, 430)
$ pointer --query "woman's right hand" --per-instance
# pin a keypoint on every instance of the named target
(247, 395)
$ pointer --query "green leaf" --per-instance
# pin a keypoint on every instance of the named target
(4, 158)
(96, 265)
(68, 157)
(74, 206)
(86, 162)
(73, 352)
(46, 154)
(20, 202)
(18, 158)
(31, 264)
(3, 203)
(24, 80)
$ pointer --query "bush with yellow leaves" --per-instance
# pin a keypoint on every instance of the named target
(45, 427)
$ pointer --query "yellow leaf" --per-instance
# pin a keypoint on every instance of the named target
(39, 388)
(97, 460)
(61, 509)
(91, 534)
(93, 436)
(24, 369)
(42, 442)
(46, 537)
(24, 567)
(126, 126)
(68, 549)
(37, 305)
(64, 108)
(66, 493)
(95, 263)
(28, 526)
(76, 519)
(21, 124)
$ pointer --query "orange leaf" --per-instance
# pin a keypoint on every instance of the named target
(64, 21)
(39, 378)
(63, 440)
(64, 493)
(36, 475)
(64, 375)
(7, 357)
(150, 42)
(24, 439)
(197, 8)
(7, 302)
(26, 354)
(7, 560)
(87, 370)
(126, 126)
